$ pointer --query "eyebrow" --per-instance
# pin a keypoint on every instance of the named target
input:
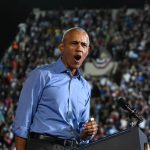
(86, 44)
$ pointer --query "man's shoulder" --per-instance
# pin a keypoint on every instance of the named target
(46, 67)
(43, 70)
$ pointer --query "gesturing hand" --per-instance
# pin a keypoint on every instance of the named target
(90, 128)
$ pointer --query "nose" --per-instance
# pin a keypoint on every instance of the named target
(79, 48)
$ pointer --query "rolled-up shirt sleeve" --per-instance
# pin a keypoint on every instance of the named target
(29, 97)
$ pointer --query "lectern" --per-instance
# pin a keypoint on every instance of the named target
(129, 139)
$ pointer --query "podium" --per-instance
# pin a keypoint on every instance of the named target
(129, 139)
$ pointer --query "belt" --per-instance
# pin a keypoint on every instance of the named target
(53, 139)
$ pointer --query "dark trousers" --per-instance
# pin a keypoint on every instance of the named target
(39, 144)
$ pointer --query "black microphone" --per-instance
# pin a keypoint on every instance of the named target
(122, 102)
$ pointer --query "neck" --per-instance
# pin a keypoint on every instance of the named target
(73, 71)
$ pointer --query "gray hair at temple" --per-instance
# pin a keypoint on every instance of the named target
(73, 29)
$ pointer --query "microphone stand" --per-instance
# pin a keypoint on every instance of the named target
(135, 118)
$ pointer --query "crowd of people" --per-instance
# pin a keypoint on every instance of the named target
(124, 33)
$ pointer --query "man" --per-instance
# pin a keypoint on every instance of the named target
(53, 109)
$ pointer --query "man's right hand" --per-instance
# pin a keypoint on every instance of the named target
(90, 128)
(20, 143)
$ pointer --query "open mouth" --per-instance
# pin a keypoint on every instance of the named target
(77, 57)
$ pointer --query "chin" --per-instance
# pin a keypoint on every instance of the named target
(75, 66)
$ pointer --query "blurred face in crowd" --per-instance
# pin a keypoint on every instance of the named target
(75, 48)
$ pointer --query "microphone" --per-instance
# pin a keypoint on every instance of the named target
(122, 102)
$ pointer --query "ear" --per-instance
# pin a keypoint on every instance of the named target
(88, 51)
(89, 48)
(61, 47)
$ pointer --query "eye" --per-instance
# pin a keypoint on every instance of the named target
(84, 45)
(74, 43)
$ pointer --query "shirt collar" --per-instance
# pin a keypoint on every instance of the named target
(60, 68)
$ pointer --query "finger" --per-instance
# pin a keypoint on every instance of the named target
(91, 129)
(90, 123)
(90, 132)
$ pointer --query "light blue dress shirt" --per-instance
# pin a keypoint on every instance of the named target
(53, 102)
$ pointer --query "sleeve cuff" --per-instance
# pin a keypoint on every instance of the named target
(21, 132)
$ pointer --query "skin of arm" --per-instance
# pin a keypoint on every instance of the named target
(20, 143)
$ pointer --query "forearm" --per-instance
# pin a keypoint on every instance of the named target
(20, 143)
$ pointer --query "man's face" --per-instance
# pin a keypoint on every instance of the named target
(75, 48)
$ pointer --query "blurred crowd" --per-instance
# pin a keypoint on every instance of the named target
(124, 33)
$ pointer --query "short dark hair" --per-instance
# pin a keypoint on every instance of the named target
(73, 29)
